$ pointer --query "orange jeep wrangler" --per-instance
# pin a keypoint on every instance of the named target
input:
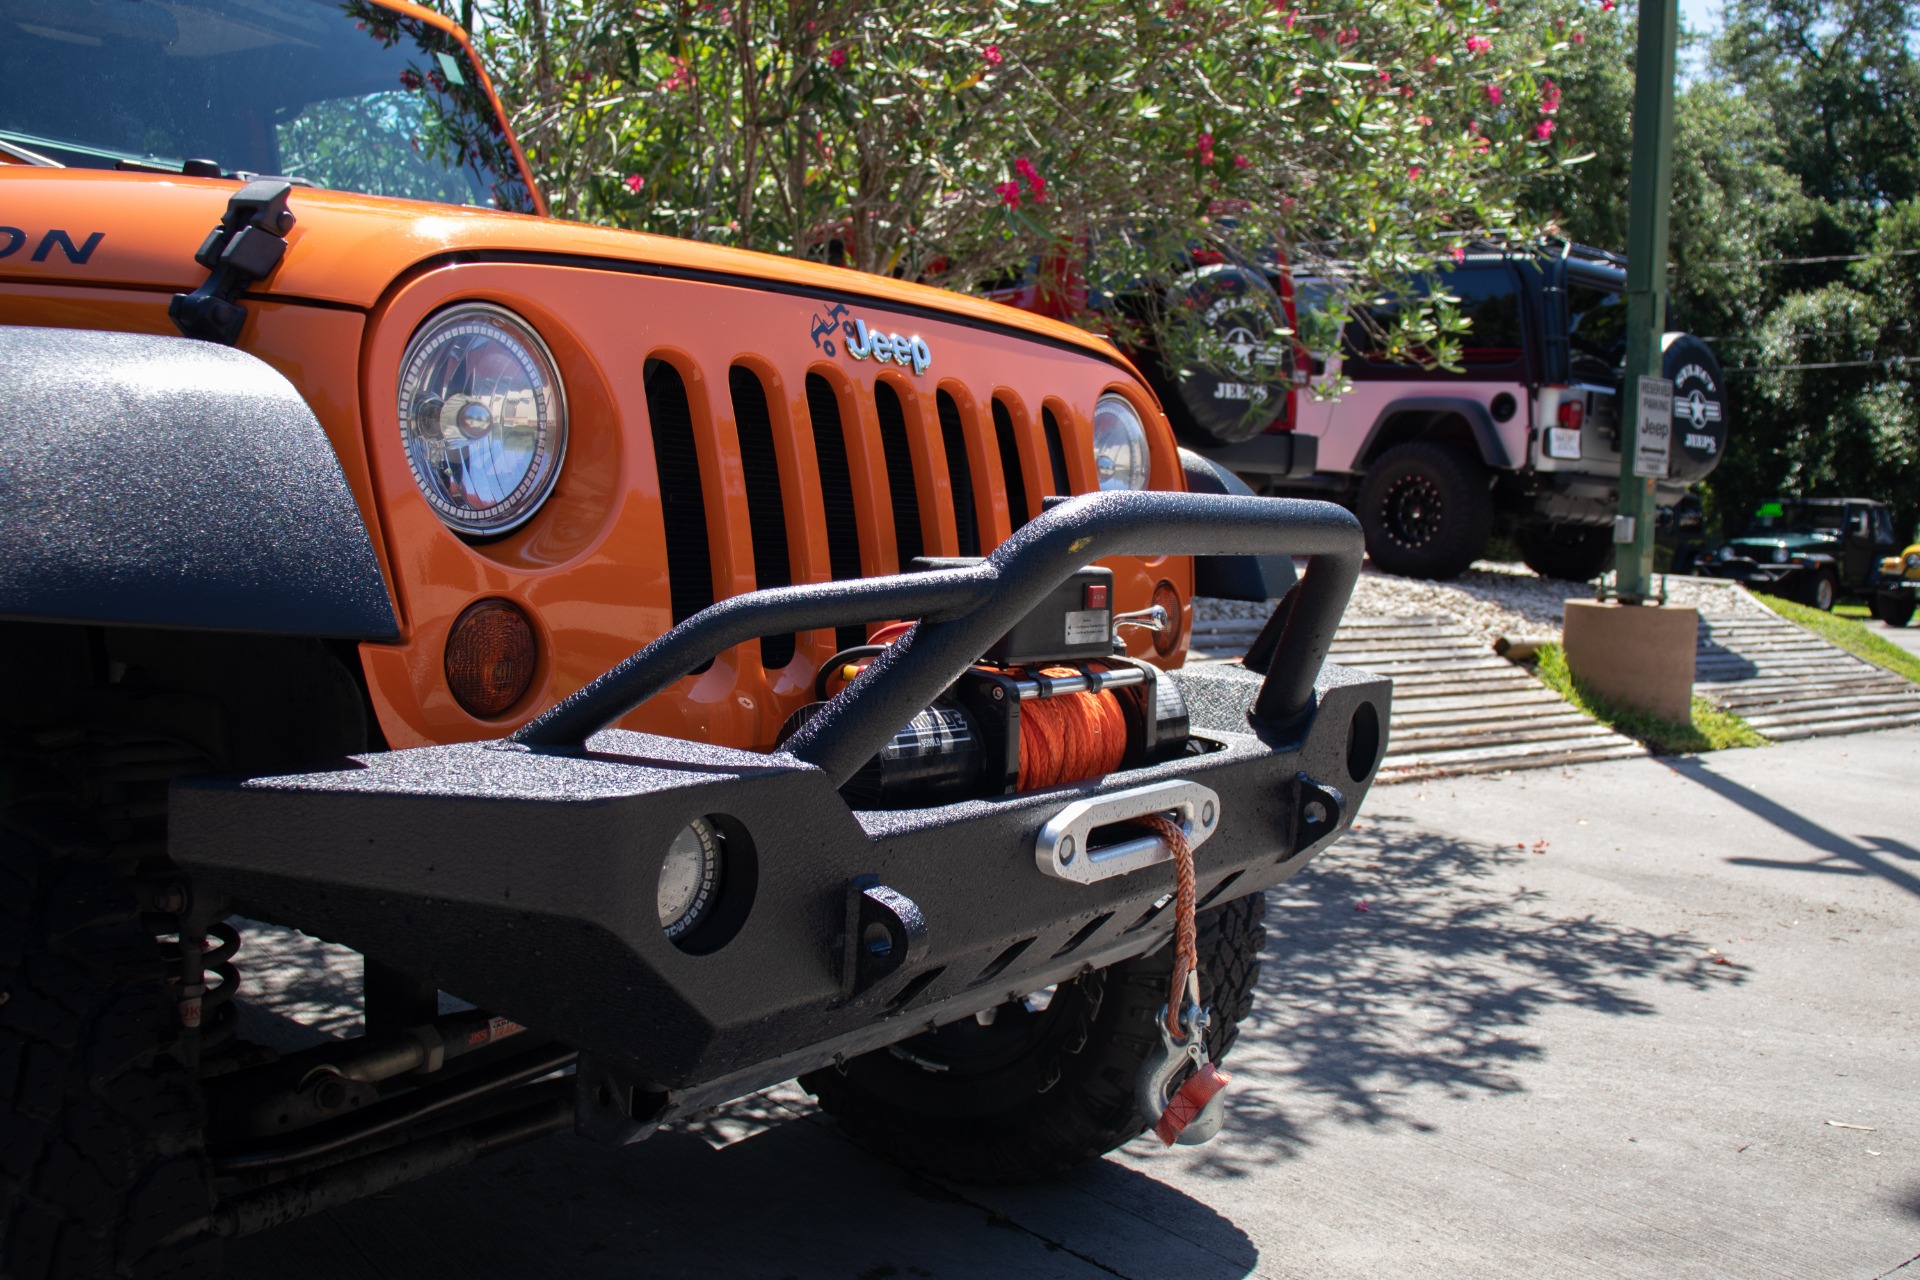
(674, 670)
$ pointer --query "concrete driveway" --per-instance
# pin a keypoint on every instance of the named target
(1640, 1019)
(1907, 637)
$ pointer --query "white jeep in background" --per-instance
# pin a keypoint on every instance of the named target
(1524, 438)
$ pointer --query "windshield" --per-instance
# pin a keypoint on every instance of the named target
(1796, 517)
(345, 95)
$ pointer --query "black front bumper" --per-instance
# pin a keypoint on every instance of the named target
(522, 875)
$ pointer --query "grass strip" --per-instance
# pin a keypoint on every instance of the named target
(1710, 730)
(1849, 635)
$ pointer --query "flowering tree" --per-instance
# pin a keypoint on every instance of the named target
(964, 141)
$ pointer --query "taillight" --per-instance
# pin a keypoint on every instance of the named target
(1571, 414)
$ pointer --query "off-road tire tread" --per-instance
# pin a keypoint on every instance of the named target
(102, 1171)
(1091, 1110)
(1549, 558)
(1463, 482)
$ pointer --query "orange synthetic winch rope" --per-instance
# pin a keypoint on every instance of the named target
(1186, 933)
(1069, 737)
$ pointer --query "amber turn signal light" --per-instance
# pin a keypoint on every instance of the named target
(1167, 596)
(490, 658)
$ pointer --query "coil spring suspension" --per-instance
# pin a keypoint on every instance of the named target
(208, 1010)
(126, 777)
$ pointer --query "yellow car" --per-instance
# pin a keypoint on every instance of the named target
(1897, 587)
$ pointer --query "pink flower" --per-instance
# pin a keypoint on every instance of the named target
(1423, 121)
(1606, 6)
(1480, 44)
(1241, 162)
(837, 59)
(1579, 37)
(1459, 254)
(1036, 185)
(1009, 193)
(1549, 98)
(1348, 36)
(1543, 130)
(1293, 15)
(1205, 145)
(635, 182)
(991, 55)
(1286, 202)
(1495, 93)
(1414, 172)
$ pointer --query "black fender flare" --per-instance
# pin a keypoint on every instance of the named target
(1233, 577)
(1478, 420)
(150, 481)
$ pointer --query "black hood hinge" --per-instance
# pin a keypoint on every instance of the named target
(246, 247)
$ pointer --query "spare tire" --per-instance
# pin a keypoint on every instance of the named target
(1242, 319)
(1700, 421)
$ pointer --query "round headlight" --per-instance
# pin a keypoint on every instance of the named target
(483, 416)
(1913, 559)
(1119, 444)
(689, 878)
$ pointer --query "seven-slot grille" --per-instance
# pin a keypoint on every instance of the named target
(933, 445)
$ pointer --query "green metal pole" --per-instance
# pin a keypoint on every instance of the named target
(1649, 196)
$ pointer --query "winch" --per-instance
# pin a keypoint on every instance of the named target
(1054, 700)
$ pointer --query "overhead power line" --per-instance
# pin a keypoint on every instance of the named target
(1825, 364)
(1801, 262)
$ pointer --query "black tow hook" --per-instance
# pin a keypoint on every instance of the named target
(245, 247)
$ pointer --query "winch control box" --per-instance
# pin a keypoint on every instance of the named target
(1075, 621)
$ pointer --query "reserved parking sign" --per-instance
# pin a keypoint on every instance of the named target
(1655, 441)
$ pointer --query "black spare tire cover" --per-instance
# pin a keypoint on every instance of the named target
(1213, 402)
(1700, 421)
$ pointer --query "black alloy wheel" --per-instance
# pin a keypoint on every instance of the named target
(1426, 510)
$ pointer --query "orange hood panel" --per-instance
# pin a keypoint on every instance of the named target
(88, 227)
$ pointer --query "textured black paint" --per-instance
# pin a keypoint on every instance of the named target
(172, 483)
(525, 881)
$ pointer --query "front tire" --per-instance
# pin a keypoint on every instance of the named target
(102, 1170)
(1032, 1095)
(1894, 608)
(1426, 510)
(1576, 553)
(1825, 591)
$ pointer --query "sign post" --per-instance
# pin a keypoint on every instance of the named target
(1648, 397)
(1635, 649)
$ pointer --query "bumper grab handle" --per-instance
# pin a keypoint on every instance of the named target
(962, 612)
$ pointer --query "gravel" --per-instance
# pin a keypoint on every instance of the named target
(1495, 598)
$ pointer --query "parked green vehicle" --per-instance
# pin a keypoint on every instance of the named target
(1815, 550)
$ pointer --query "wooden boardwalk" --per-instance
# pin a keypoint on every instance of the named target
(1457, 708)
(1789, 683)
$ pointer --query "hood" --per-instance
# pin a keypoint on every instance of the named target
(94, 227)
(1790, 539)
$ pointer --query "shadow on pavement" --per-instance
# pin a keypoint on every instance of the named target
(1405, 960)
(790, 1199)
(1845, 856)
